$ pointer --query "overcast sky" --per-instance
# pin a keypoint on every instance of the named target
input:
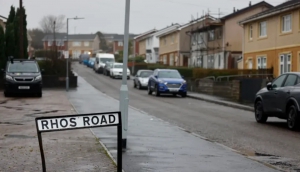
(108, 15)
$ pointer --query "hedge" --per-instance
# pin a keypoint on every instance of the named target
(195, 73)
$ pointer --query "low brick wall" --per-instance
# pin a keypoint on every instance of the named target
(227, 89)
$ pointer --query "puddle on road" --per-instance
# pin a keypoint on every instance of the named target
(19, 136)
(285, 164)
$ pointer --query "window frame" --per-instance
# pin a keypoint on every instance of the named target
(251, 32)
(120, 44)
(286, 64)
(283, 23)
(260, 64)
(211, 35)
(261, 29)
(74, 44)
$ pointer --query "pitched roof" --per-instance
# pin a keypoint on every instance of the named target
(262, 3)
(145, 33)
(291, 4)
(164, 30)
(3, 17)
(118, 37)
(70, 37)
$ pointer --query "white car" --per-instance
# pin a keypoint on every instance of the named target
(116, 71)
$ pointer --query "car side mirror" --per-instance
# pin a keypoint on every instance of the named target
(155, 76)
(182, 76)
(269, 85)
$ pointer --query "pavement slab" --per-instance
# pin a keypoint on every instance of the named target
(156, 145)
(64, 151)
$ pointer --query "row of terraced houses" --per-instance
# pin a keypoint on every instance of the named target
(255, 37)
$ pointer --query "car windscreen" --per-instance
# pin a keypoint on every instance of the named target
(118, 66)
(104, 60)
(92, 59)
(169, 74)
(146, 74)
(22, 67)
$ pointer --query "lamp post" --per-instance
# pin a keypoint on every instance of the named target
(124, 88)
(67, 48)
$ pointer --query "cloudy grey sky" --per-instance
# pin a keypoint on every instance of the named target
(108, 15)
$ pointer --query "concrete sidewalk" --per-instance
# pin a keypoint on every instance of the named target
(219, 100)
(64, 150)
(155, 145)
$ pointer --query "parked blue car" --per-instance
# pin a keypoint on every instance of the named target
(91, 62)
(167, 81)
(86, 61)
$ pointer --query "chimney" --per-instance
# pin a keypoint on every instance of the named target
(250, 4)
(234, 9)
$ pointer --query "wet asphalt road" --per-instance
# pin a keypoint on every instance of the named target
(232, 127)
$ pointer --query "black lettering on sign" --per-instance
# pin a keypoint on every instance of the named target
(103, 119)
(73, 122)
(44, 124)
(112, 118)
(95, 120)
(86, 121)
(53, 123)
(63, 123)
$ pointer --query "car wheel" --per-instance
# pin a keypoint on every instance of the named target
(183, 94)
(139, 86)
(40, 94)
(6, 94)
(156, 91)
(134, 84)
(260, 115)
(128, 77)
(149, 90)
(293, 118)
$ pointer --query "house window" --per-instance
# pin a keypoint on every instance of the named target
(172, 60)
(263, 29)
(120, 44)
(250, 32)
(86, 44)
(165, 59)
(286, 23)
(261, 62)
(219, 33)
(285, 63)
(200, 61)
(210, 61)
(211, 35)
(76, 44)
(49, 43)
(250, 64)
(200, 38)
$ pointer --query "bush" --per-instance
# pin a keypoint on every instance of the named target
(55, 67)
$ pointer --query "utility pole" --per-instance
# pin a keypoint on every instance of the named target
(54, 38)
(124, 88)
(21, 30)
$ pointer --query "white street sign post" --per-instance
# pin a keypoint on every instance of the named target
(80, 121)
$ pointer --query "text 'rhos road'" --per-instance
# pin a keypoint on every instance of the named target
(61, 123)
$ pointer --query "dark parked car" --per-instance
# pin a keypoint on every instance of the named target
(167, 81)
(281, 99)
(141, 78)
(22, 76)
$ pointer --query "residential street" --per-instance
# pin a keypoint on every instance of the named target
(234, 128)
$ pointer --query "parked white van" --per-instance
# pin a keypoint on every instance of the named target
(101, 60)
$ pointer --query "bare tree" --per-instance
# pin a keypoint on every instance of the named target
(47, 23)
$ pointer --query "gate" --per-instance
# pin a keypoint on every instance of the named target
(249, 87)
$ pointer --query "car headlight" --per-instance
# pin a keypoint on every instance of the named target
(8, 77)
(183, 82)
(39, 77)
(160, 81)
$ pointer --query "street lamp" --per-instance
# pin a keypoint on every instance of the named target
(124, 88)
(67, 47)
